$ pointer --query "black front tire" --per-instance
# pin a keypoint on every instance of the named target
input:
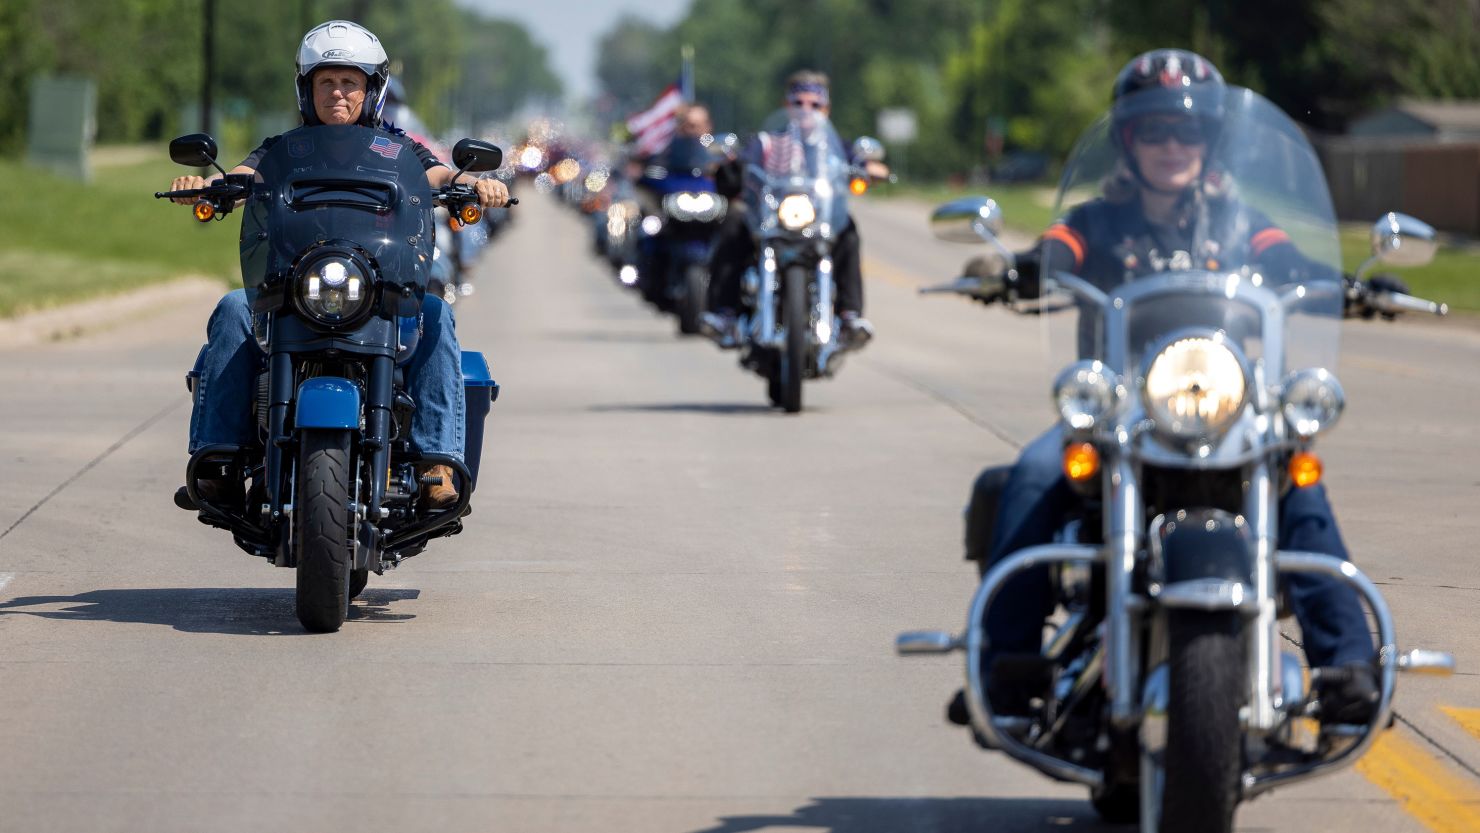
(1204, 751)
(324, 528)
(691, 305)
(1118, 804)
(357, 581)
(796, 316)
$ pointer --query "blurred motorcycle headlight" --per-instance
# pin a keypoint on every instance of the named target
(796, 212)
(1312, 401)
(1195, 388)
(1086, 393)
(688, 206)
(333, 289)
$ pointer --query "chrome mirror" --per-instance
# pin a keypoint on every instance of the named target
(868, 149)
(1401, 240)
(967, 220)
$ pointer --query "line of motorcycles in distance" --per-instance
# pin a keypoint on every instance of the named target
(656, 225)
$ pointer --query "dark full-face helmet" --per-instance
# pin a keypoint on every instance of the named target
(342, 43)
(1167, 82)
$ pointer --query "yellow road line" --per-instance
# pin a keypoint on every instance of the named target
(879, 270)
(1444, 801)
(1468, 718)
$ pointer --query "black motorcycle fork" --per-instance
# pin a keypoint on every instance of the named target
(279, 399)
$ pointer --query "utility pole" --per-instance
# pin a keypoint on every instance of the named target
(208, 58)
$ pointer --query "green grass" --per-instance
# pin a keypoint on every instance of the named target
(1025, 208)
(62, 241)
(1453, 277)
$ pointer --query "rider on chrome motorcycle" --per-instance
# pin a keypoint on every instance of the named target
(1176, 510)
(735, 248)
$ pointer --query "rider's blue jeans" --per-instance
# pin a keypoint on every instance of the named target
(227, 389)
(1037, 498)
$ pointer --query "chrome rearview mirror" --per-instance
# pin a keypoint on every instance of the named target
(967, 220)
(977, 220)
(868, 149)
(1401, 240)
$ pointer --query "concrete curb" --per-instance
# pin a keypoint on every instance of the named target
(97, 314)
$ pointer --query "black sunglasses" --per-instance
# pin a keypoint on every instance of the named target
(1158, 132)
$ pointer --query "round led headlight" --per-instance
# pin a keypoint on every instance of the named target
(1195, 388)
(694, 205)
(1086, 393)
(796, 212)
(1312, 401)
(333, 289)
(651, 224)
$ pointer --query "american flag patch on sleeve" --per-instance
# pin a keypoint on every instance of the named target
(385, 147)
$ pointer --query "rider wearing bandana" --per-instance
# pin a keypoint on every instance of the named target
(734, 249)
(1167, 112)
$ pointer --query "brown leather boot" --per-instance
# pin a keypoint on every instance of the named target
(438, 496)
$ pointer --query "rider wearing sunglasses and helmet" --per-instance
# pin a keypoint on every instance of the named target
(806, 93)
(1168, 108)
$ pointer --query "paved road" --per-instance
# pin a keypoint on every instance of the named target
(672, 610)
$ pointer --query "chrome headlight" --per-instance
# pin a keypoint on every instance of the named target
(1195, 387)
(333, 289)
(700, 206)
(1087, 392)
(796, 212)
(1312, 401)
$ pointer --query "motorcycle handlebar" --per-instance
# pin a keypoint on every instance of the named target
(1396, 302)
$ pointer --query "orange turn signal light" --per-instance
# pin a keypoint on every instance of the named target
(858, 185)
(204, 211)
(1305, 469)
(471, 214)
(1081, 462)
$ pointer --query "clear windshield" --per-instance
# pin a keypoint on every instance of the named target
(797, 152)
(346, 183)
(1248, 249)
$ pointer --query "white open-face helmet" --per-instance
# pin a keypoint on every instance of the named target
(341, 43)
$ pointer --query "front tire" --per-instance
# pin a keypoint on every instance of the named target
(691, 305)
(358, 579)
(324, 528)
(796, 316)
(1204, 751)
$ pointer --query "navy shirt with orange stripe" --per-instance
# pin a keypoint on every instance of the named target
(1108, 243)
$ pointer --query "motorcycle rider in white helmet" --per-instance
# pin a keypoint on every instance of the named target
(343, 74)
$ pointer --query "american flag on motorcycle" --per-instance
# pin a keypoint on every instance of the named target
(653, 128)
(385, 147)
(782, 153)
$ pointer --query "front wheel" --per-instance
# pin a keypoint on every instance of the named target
(358, 579)
(324, 528)
(691, 304)
(1204, 750)
(795, 317)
